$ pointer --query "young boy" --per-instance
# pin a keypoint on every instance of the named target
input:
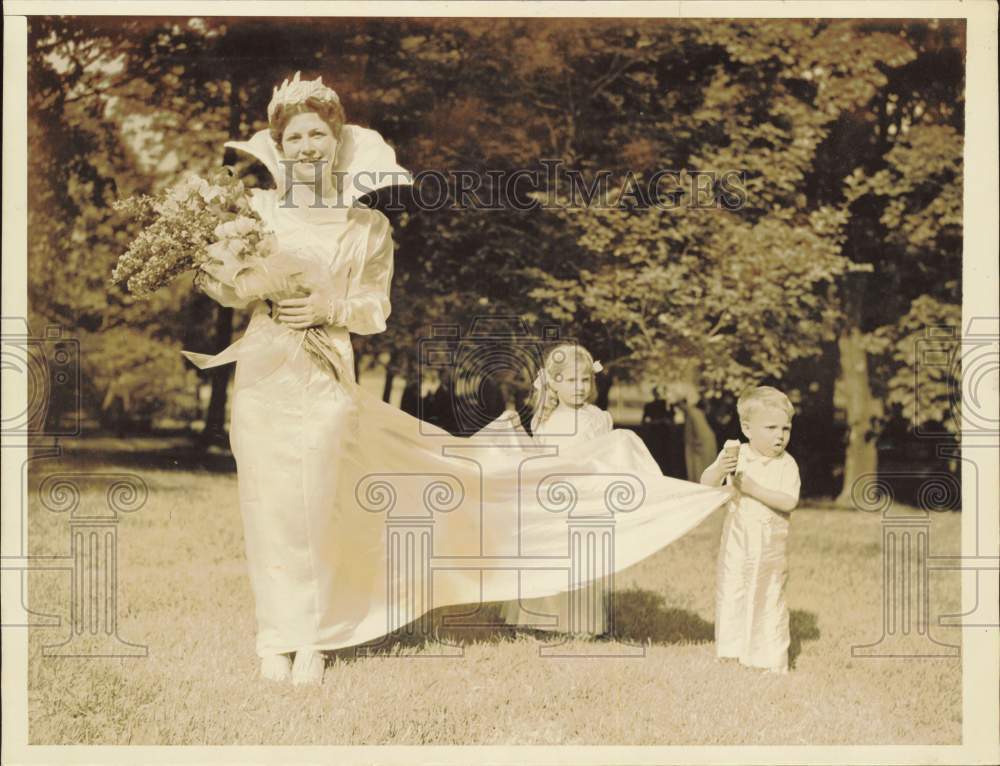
(751, 616)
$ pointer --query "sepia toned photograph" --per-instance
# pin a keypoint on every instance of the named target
(528, 380)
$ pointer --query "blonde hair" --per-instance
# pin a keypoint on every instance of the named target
(758, 398)
(565, 356)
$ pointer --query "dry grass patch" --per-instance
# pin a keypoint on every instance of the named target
(184, 593)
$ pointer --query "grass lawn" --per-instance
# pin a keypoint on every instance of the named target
(183, 592)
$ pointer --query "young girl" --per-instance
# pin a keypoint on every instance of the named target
(565, 418)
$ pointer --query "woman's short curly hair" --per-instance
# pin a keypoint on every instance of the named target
(331, 112)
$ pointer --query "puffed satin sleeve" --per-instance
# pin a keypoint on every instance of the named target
(367, 304)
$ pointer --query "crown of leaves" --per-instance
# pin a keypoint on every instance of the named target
(297, 90)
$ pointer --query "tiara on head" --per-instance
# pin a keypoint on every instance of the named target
(297, 91)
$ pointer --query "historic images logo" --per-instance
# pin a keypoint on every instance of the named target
(50, 367)
(483, 372)
(548, 186)
(956, 378)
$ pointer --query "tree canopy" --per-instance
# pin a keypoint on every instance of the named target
(810, 173)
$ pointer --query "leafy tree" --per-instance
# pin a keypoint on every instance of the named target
(75, 157)
(905, 196)
(736, 296)
(842, 238)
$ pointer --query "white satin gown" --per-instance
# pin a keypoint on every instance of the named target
(359, 519)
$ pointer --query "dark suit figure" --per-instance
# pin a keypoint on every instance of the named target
(431, 399)
(663, 436)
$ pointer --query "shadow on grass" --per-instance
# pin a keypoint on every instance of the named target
(450, 628)
(640, 616)
(178, 454)
(643, 616)
(803, 627)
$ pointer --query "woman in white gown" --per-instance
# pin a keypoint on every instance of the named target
(328, 474)
(288, 415)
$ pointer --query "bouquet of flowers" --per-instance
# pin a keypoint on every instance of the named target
(210, 226)
(178, 227)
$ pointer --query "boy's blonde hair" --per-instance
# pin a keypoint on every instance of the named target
(758, 398)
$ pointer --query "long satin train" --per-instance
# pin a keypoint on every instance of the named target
(392, 517)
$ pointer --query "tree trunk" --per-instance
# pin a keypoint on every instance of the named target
(390, 376)
(862, 411)
(215, 417)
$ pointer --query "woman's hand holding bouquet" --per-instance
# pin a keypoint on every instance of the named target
(265, 272)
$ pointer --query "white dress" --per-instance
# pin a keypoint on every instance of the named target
(567, 429)
(360, 519)
(289, 418)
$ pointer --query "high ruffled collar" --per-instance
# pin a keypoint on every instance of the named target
(366, 160)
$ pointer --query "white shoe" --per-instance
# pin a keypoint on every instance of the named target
(276, 667)
(308, 668)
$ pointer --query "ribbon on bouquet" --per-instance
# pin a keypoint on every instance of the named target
(266, 345)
